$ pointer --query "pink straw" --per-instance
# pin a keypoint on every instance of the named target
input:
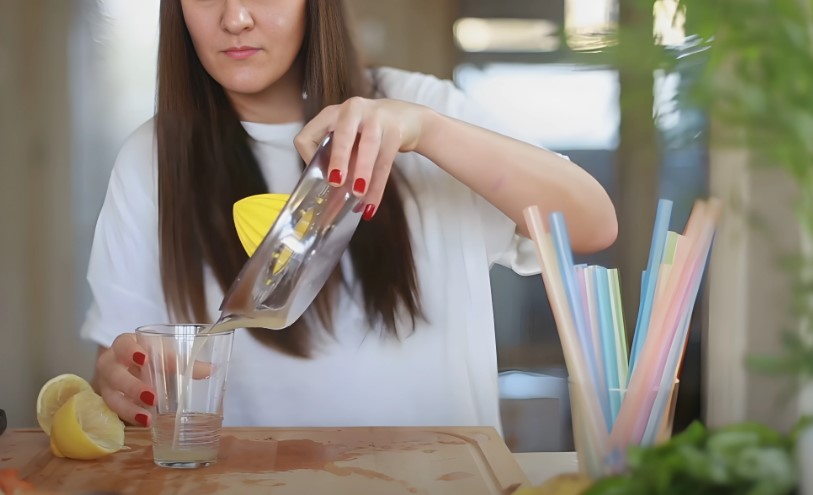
(663, 325)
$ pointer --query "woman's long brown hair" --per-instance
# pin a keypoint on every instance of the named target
(205, 164)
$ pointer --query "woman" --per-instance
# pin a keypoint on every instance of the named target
(403, 333)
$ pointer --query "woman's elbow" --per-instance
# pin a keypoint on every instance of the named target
(601, 232)
(607, 232)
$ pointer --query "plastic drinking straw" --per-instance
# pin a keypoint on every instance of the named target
(585, 275)
(644, 277)
(671, 247)
(678, 347)
(621, 358)
(577, 369)
(678, 350)
(561, 239)
(605, 312)
(590, 454)
(664, 271)
(642, 380)
(669, 374)
(654, 422)
(668, 259)
(661, 227)
(664, 324)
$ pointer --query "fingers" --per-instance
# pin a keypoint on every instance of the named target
(345, 135)
(122, 390)
(367, 136)
(387, 152)
(309, 138)
(126, 409)
(119, 371)
(128, 351)
(122, 380)
(201, 370)
(369, 146)
(344, 121)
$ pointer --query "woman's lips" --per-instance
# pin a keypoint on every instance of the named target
(241, 52)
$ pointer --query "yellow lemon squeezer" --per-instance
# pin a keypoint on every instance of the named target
(294, 243)
(253, 218)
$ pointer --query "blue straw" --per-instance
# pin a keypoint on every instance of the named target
(607, 328)
(564, 254)
(662, 218)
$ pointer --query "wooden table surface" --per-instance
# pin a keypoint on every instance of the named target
(464, 460)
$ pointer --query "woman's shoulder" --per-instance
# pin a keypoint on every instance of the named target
(140, 143)
(135, 164)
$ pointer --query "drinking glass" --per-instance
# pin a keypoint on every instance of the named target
(187, 369)
(595, 457)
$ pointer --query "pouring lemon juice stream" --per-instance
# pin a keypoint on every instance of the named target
(253, 217)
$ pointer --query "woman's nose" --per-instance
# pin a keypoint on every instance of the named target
(236, 17)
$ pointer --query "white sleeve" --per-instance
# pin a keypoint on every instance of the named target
(123, 271)
(503, 245)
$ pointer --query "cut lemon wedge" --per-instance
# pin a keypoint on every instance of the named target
(85, 428)
(54, 394)
(55, 450)
(563, 484)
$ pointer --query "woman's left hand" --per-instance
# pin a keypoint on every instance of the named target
(367, 135)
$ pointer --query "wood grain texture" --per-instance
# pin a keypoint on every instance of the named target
(459, 460)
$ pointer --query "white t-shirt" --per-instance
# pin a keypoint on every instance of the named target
(445, 373)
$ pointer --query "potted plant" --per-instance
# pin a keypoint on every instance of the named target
(758, 84)
(766, 51)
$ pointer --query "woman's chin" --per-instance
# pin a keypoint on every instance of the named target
(247, 84)
(245, 88)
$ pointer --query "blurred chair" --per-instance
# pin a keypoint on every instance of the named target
(535, 410)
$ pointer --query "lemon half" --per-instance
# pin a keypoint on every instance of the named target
(85, 428)
(54, 394)
(563, 484)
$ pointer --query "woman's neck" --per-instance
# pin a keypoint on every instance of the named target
(280, 103)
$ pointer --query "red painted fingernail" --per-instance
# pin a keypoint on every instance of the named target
(139, 358)
(335, 177)
(148, 397)
(369, 211)
(360, 186)
(141, 419)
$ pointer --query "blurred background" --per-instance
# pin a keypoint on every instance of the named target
(604, 82)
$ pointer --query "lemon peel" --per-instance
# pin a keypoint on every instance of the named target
(85, 428)
(54, 394)
(55, 450)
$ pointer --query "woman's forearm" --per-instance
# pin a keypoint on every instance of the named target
(512, 175)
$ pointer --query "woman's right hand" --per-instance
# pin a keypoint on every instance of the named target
(118, 380)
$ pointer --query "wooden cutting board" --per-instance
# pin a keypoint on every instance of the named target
(460, 460)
